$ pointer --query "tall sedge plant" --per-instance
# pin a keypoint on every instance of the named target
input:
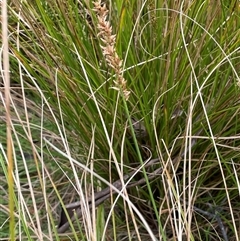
(84, 76)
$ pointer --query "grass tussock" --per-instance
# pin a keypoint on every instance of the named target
(130, 109)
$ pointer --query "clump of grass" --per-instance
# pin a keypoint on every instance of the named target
(69, 125)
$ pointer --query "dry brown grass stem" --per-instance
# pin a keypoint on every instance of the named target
(6, 77)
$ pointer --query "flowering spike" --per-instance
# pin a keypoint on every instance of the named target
(108, 46)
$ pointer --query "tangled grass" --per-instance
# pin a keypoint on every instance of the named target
(98, 90)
